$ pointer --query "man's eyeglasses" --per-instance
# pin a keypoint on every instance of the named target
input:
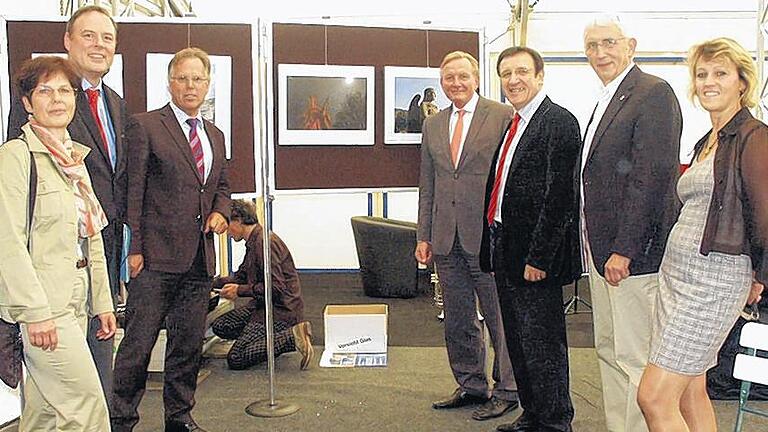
(48, 92)
(605, 44)
(196, 81)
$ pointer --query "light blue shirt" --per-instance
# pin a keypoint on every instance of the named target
(105, 118)
(182, 118)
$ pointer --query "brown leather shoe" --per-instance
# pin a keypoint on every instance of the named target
(302, 339)
(457, 399)
(495, 407)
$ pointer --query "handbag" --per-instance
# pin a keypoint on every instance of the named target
(11, 347)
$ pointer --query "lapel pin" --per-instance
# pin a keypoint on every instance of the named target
(622, 97)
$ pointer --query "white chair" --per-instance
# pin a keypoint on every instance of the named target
(749, 368)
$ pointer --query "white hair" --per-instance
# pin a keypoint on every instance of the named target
(607, 20)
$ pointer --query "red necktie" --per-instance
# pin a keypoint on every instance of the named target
(93, 102)
(500, 170)
(456, 138)
(197, 148)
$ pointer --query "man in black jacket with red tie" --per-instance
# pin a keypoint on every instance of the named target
(527, 243)
(100, 116)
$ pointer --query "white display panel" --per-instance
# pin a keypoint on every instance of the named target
(317, 228)
(403, 205)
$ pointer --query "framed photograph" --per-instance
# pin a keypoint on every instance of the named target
(325, 104)
(411, 94)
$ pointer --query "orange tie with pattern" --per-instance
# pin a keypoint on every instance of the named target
(456, 138)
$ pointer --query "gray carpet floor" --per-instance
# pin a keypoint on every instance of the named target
(396, 398)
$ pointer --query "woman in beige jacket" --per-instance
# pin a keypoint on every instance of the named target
(53, 273)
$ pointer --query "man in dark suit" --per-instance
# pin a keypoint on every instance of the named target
(627, 173)
(178, 197)
(456, 149)
(90, 40)
(529, 215)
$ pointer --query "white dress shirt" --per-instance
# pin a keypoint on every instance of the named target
(526, 113)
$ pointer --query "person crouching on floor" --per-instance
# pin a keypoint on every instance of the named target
(246, 324)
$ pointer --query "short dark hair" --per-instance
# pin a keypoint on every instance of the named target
(32, 71)
(244, 211)
(86, 9)
(538, 61)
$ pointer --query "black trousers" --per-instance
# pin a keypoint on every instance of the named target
(180, 301)
(534, 324)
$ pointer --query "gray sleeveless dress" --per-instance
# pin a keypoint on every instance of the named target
(699, 296)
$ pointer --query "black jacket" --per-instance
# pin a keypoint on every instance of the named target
(537, 208)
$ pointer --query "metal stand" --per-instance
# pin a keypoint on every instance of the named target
(572, 305)
(271, 407)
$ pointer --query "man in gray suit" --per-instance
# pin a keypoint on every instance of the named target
(457, 145)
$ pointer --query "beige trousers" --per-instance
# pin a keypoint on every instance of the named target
(622, 322)
(62, 391)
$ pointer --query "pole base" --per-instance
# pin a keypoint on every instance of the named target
(263, 408)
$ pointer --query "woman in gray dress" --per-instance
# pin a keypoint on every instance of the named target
(714, 261)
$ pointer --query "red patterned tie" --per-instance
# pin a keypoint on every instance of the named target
(197, 147)
(456, 138)
(500, 170)
(93, 102)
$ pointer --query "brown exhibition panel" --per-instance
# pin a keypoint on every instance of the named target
(351, 166)
(135, 40)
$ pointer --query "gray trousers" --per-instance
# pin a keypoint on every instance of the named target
(463, 282)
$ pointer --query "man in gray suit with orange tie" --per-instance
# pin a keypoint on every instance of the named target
(457, 145)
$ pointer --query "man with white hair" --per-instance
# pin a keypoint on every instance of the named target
(626, 179)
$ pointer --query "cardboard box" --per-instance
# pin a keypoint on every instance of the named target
(358, 328)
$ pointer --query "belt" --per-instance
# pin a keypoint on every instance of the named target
(81, 263)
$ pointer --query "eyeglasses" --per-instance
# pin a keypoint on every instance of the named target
(196, 81)
(605, 44)
(48, 92)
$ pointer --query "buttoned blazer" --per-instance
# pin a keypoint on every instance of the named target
(168, 204)
(108, 184)
(631, 173)
(451, 199)
(537, 208)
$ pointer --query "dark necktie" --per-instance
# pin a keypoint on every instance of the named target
(93, 102)
(500, 170)
(197, 148)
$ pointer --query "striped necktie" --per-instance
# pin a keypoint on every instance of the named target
(197, 148)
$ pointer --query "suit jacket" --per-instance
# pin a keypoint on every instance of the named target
(168, 204)
(631, 173)
(537, 209)
(451, 199)
(38, 283)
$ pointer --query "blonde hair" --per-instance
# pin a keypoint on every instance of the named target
(457, 55)
(191, 52)
(725, 48)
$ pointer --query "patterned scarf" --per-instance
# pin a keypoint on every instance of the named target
(91, 217)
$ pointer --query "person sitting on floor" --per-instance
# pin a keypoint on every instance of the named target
(246, 324)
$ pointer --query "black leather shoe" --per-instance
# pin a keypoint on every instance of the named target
(495, 407)
(522, 424)
(182, 426)
(458, 399)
